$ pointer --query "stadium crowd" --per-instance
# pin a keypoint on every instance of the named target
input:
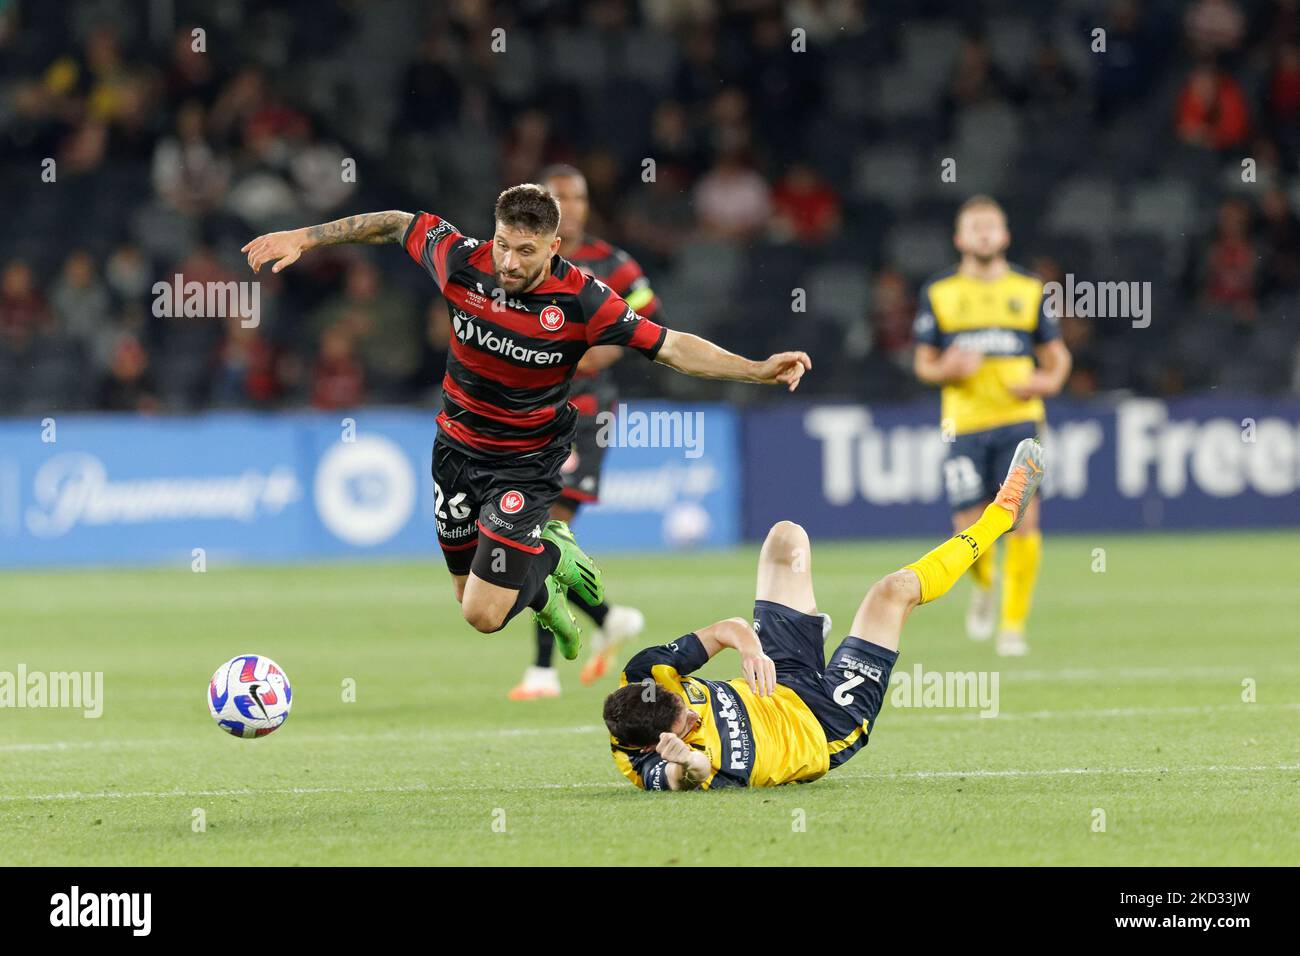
(1170, 157)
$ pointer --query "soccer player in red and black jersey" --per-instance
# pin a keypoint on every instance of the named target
(592, 391)
(522, 319)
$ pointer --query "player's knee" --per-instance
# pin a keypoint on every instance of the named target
(900, 588)
(786, 540)
(482, 617)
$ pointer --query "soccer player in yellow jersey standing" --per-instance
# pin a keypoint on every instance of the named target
(984, 335)
(792, 716)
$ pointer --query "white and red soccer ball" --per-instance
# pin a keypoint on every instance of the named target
(249, 696)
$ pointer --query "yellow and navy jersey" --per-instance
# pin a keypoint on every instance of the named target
(751, 741)
(1005, 319)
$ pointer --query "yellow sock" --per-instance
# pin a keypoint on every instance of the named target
(982, 570)
(1019, 573)
(940, 569)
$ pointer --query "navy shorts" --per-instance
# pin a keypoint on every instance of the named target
(977, 463)
(490, 512)
(845, 695)
(581, 470)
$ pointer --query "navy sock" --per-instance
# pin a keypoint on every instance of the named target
(597, 612)
(545, 647)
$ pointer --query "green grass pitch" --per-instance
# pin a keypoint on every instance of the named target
(1129, 704)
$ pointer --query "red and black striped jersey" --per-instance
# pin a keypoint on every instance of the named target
(618, 270)
(506, 390)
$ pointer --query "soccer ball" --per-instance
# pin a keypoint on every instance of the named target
(686, 525)
(249, 696)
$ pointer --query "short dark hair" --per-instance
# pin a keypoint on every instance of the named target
(530, 208)
(561, 171)
(638, 713)
(978, 201)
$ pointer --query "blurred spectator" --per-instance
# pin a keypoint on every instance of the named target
(128, 386)
(893, 308)
(316, 168)
(826, 20)
(1282, 101)
(131, 135)
(1229, 274)
(239, 100)
(728, 123)
(778, 83)
(1280, 233)
(103, 74)
(1212, 111)
(673, 144)
(128, 274)
(1123, 74)
(659, 218)
(23, 311)
(383, 327)
(699, 74)
(187, 173)
(262, 193)
(191, 75)
(1077, 332)
(732, 201)
(338, 380)
(431, 99)
(528, 147)
(82, 306)
(976, 78)
(805, 206)
(246, 368)
(1214, 27)
(1051, 85)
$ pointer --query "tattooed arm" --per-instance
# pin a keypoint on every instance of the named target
(284, 248)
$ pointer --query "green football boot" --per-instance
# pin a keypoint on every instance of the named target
(559, 620)
(576, 571)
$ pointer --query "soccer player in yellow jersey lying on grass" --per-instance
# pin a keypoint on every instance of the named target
(791, 717)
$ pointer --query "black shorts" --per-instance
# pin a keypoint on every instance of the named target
(581, 471)
(490, 512)
(977, 463)
(845, 695)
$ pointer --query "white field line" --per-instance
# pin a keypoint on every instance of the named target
(601, 785)
(914, 713)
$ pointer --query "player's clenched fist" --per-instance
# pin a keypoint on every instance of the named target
(672, 748)
(282, 247)
(785, 368)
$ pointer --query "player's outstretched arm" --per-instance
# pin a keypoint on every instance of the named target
(284, 248)
(693, 355)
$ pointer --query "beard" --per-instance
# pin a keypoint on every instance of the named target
(517, 283)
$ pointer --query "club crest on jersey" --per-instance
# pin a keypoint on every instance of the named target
(512, 502)
(552, 318)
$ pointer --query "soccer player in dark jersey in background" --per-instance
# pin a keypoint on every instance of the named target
(522, 318)
(592, 391)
